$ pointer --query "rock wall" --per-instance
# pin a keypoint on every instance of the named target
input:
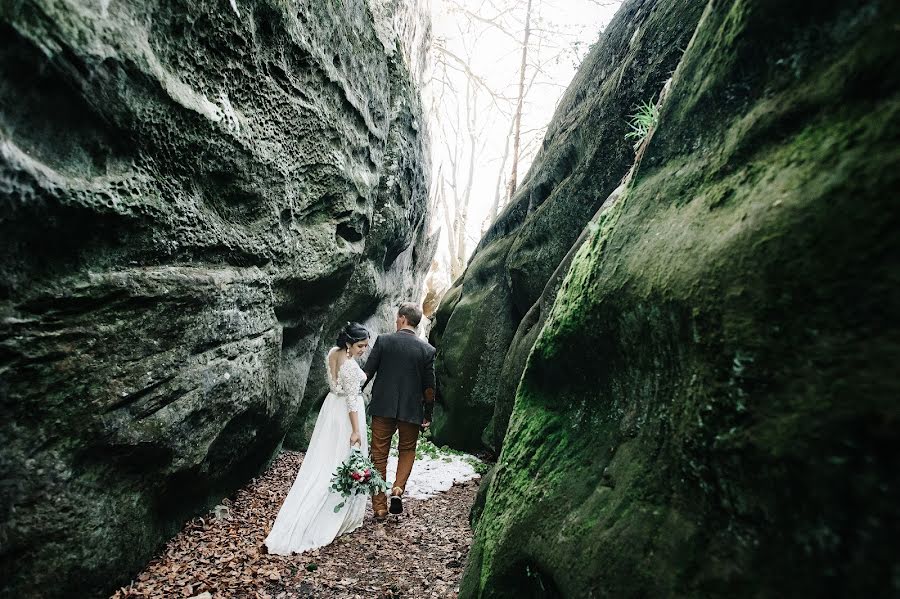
(192, 194)
(485, 322)
(731, 429)
(397, 251)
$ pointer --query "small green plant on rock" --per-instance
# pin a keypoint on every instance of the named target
(645, 118)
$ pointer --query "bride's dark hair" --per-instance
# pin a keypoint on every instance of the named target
(353, 332)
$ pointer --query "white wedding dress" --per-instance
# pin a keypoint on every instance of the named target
(307, 519)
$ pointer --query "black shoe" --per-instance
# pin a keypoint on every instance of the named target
(396, 504)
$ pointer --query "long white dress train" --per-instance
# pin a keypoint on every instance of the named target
(307, 519)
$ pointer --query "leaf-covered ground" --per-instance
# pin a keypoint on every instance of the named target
(418, 554)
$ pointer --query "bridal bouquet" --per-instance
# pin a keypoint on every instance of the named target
(357, 475)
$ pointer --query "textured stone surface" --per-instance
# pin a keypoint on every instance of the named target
(582, 160)
(397, 253)
(732, 430)
(192, 194)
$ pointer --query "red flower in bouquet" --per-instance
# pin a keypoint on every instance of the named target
(356, 476)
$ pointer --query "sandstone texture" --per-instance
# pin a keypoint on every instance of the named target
(486, 322)
(732, 429)
(194, 195)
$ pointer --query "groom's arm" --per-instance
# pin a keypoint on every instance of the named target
(372, 362)
(430, 385)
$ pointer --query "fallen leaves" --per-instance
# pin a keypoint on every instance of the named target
(421, 553)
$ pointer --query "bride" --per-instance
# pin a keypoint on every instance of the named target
(307, 519)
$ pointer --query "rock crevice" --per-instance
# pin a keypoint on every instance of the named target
(483, 331)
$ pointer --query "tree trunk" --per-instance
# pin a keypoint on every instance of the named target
(498, 194)
(518, 116)
(462, 215)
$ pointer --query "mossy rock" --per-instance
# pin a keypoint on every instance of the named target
(730, 432)
(193, 194)
(582, 160)
(481, 497)
(470, 355)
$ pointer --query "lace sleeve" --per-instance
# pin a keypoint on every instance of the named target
(348, 383)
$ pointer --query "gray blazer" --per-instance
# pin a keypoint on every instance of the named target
(405, 367)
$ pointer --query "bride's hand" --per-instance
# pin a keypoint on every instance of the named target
(354, 439)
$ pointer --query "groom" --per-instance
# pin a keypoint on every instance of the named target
(402, 399)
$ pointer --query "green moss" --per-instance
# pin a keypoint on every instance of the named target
(471, 350)
(705, 412)
(583, 159)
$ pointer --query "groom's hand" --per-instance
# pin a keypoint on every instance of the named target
(428, 404)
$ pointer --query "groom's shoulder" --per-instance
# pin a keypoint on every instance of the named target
(425, 345)
(389, 339)
(407, 340)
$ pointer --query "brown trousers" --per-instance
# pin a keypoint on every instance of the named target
(382, 431)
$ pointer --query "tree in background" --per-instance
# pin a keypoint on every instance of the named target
(493, 61)
(517, 118)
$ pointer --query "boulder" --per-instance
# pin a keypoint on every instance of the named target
(192, 194)
(582, 160)
(731, 429)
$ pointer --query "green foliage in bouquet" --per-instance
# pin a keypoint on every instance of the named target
(356, 476)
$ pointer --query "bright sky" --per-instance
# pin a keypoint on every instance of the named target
(487, 43)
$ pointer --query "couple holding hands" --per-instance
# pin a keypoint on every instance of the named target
(402, 400)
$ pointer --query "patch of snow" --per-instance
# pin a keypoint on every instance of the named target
(431, 476)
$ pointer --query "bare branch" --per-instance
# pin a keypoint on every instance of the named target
(464, 68)
(492, 21)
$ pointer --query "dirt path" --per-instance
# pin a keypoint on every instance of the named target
(418, 554)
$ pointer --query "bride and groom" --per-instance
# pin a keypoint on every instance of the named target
(402, 400)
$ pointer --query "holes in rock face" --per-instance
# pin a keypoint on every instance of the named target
(296, 301)
(291, 337)
(318, 210)
(392, 251)
(332, 205)
(267, 21)
(45, 113)
(285, 217)
(233, 198)
(349, 232)
(280, 77)
(295, 61)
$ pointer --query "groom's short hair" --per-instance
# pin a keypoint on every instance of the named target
(411, 312)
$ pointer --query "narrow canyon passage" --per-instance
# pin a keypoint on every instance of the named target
(420, 553)
(666, 309)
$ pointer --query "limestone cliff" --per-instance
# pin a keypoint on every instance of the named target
(482, 333)
(193, 193)
(710, 409)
